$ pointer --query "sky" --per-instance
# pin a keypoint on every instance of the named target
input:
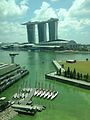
(73, 15)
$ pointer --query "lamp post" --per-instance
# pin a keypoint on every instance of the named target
(12, 55)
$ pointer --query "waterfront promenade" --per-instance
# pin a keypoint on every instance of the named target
(66, 80)
(75, 82)
(58, 66)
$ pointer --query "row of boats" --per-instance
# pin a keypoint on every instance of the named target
(39, 92)
(20, 95)
(23, 99)
(49, 94)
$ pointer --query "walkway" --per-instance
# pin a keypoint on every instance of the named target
(63, 79)
(58, 66)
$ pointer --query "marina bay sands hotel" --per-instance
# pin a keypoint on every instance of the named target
(51, 25)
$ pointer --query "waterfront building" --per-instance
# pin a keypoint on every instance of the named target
(42, 34)
(53, 29)
(72, 45)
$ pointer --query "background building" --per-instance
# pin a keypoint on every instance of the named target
(31, 32)
(42, 34)
(42, 30)
(53, 29)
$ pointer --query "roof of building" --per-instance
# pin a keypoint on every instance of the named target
(37, 22)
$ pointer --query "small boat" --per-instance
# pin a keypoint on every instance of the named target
(36, 91)
(40, 92)
(18, 96)
(39, 108)
(43, 93)
(54, 95)
(27, 90)
(2, 98)
(29, 103)
(15, 96)
(43, 107)
(24, 90)
(50, 95)
(23, 95)
(23, 111)
(46, 94)
(26, 95)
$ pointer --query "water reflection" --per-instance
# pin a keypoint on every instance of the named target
(71, 101)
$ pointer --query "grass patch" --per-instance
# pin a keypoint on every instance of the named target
(80, 66)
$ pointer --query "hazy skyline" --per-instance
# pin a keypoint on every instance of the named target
(73, 15)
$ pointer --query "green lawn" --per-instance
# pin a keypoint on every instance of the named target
(80, 66)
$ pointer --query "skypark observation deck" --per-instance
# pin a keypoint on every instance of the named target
(41, 27)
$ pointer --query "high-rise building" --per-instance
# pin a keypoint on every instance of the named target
(42, 31)
(53, 29)
(31, 32)
(39, 30)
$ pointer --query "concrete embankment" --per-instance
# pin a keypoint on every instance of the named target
(75, 82)
(58, 66)
(69, 81)
(11, 80)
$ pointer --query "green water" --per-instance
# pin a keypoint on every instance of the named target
(72, 103)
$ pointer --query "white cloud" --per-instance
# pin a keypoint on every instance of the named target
(44, 13)
(9, 8)
(80, 9)
(12, 32)
(73, 22)
(61, 13)
(54, 0)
